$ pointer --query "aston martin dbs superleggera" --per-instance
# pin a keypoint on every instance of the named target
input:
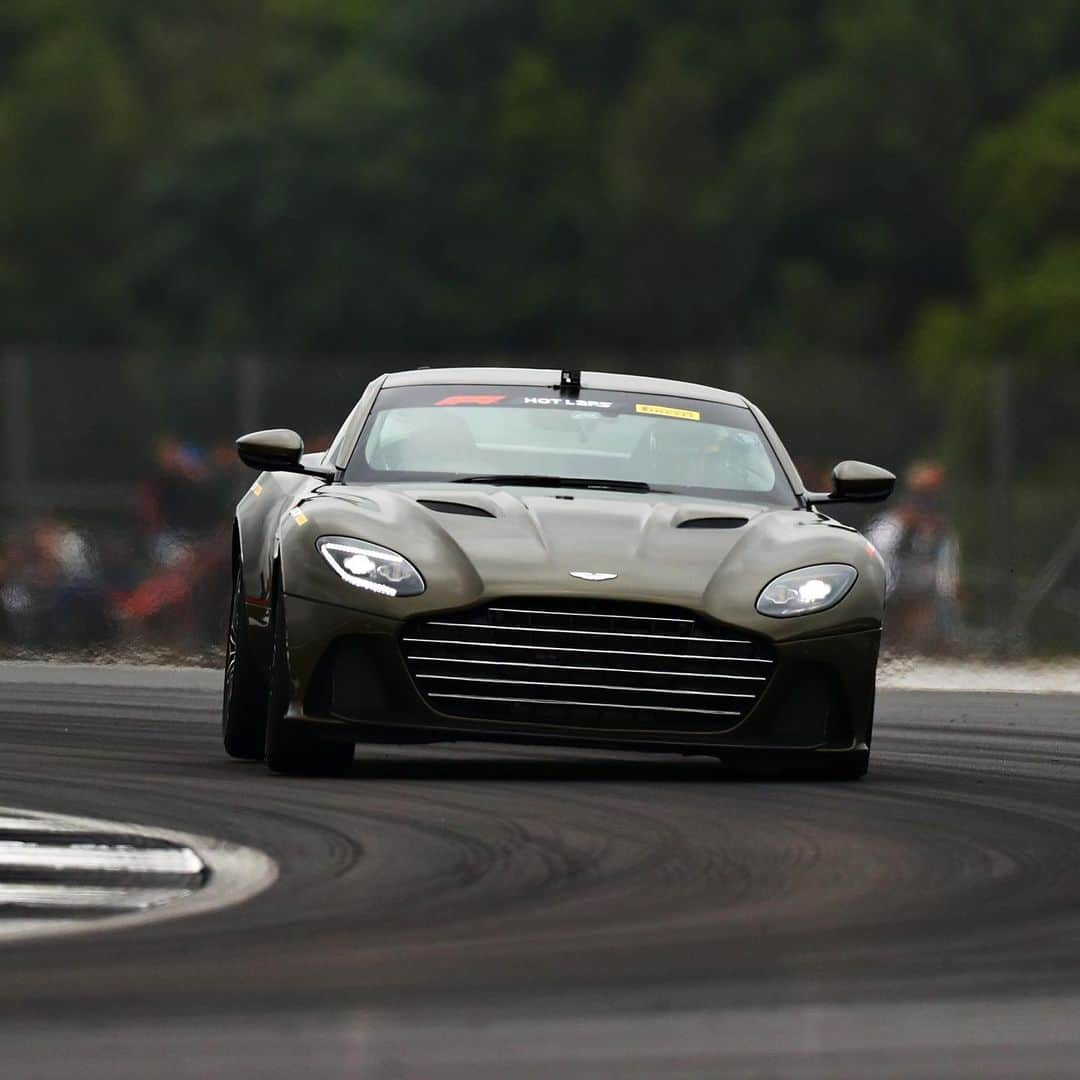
(536, 556)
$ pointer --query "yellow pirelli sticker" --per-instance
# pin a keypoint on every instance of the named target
(256, 489)
(300, 517)
(663, 410)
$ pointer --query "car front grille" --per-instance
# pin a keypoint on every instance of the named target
(587, 663)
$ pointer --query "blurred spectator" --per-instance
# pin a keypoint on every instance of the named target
(175, 502)
(230, 477)
(52, 589)
(921, 551)
(164, 583)
(815, 474)
(184, 510)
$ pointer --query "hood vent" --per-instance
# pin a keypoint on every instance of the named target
(713, 523)
(464, 509)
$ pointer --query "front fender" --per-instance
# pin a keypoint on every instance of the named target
(777, 543)
(257, 532)
(450, 577)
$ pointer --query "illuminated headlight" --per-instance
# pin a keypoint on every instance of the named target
(801, 592)
(368, 566)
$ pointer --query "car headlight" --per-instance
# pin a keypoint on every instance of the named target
(368, 566)
(801, 592)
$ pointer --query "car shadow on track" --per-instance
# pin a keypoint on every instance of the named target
(442, 765)
(545, 765)
(547, 768)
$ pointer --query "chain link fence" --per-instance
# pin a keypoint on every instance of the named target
(87, 436)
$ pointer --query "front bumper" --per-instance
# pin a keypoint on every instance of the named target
(371, 696)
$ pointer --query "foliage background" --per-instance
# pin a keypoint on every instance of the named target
(799, 175)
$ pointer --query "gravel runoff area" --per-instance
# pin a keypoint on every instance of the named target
(1057, 676)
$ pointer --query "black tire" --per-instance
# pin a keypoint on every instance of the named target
(851, 765)
(846, 766)
(287, 749)
(243, 698)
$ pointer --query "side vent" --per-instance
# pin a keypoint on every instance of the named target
(713, 523)
(463, 509)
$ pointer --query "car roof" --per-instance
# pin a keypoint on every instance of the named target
(548, 378)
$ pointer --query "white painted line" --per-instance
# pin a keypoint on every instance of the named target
(43, 824)
(116, 898)
(235, 874)
(16, 853)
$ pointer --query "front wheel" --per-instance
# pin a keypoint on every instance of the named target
(290, 750)
(840, 766)
(849, 765)
(243, 700)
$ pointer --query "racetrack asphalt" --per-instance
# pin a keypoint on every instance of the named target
(486, 912)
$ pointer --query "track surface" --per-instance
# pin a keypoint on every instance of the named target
(476, 913)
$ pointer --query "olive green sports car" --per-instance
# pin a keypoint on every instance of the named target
(537, 556)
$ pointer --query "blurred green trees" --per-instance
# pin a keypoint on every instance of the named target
(788, 175)
(1022, 192)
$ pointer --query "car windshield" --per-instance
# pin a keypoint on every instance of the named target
(507, 434)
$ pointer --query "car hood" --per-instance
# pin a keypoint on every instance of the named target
(477, 542)
(557, 531)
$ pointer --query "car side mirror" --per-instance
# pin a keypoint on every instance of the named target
(855, 482)
(278, 450)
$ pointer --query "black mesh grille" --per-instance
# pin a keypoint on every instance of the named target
(587, 663)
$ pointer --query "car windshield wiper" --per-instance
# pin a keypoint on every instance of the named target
(529, 480)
